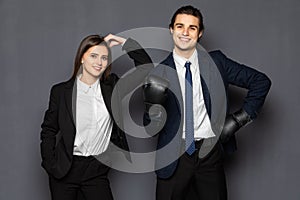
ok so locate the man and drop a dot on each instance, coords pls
(189, 112)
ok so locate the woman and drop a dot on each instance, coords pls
(78, 123)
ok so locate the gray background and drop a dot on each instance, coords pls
(39, 39)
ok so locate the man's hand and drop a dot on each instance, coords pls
(233, 123)
(155, 91)
(113, 40)
(155, 95)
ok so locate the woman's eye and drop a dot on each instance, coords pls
(104, 58)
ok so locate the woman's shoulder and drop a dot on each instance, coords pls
(63, 84)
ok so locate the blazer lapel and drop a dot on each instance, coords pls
(106, 90)
(70, 99)
(172, 76)
(204, 69)
(212, 88)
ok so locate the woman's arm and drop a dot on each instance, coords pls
(50, 128)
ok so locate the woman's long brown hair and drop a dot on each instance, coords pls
(86, 43)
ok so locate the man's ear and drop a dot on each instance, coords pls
(200, 34)
(171, 30)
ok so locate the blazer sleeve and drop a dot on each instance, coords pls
(143, 64)
(136, 52)
(257, 83)
(125, 85)
(50, 128)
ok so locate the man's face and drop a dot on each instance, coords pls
(185, 33)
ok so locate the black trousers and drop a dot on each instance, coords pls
(87, 176)
(205, 176)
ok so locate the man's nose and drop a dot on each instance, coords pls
(185, 31)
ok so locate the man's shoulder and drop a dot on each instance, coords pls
(169, 60)
(216, 53)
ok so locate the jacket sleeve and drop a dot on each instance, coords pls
(50, 128)
(143, 65)
(136, 52)
(128, 83)
(257, 83)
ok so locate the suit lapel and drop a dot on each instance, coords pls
(172, 76)
(212, 88)
(106, 90)
(204, 70)
(70, 99)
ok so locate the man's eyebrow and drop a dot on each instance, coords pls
(194, 26)
(178, 24)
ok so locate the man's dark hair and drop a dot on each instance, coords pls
(189, 10)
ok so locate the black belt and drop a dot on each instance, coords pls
(83, 158)
(198, 144)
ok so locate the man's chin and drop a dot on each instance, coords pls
(185, 48)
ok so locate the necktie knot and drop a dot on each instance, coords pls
(188, 73)
(187, 65)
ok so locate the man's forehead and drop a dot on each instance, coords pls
(186, 20)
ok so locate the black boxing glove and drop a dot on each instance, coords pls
(155, 94)
(233, 123)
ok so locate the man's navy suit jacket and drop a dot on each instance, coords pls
(216, 72)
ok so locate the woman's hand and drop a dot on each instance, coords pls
(113, 40)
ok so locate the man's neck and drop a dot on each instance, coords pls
(184, 53)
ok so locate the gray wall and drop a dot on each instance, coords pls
(38, 42)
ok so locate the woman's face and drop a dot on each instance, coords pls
(94, 62)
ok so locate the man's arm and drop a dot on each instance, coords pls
(258, 86)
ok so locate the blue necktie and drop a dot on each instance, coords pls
(189, 118)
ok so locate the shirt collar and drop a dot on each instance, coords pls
(85, 87)
(181, 60)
